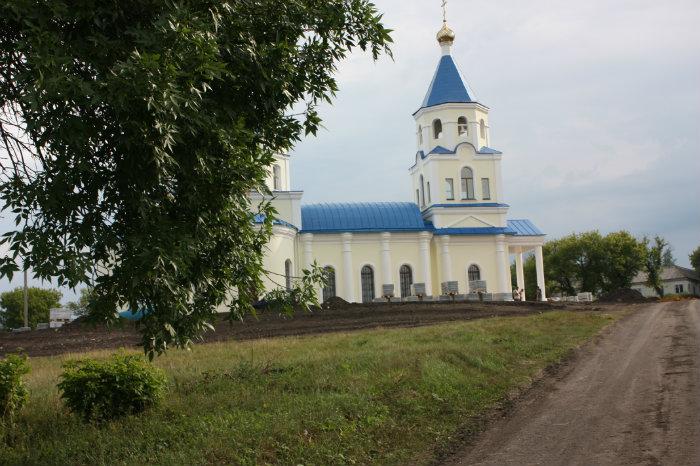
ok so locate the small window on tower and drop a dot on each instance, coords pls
(449, 189)
(467, 184)
(420, 134)
(482, 128)
(462, 126)
(485, 189)
(437, 129)
(428, 189)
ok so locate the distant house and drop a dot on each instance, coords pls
(675, 280)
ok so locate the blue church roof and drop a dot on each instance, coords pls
(447, 85)
(361, 217)
(524, 228)
(260, 218)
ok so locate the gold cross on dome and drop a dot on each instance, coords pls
(444, 11)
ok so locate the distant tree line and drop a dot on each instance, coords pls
(592, 262)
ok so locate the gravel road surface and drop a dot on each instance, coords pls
(630, 397)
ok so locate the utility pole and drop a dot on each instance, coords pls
(26, 300)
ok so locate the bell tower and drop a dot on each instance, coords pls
(455, 167)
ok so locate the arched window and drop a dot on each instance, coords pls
(437, 129)
(406, 280)
(422, 192)
(482, 128)
(462, 126)
(288, 274)
(276, 178)
(329, 287)
(367, 280)
(474, 273)
(467, 184)
(420, 134)
(427, 188)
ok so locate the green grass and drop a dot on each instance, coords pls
(373, 397)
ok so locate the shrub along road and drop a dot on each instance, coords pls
(630, 397)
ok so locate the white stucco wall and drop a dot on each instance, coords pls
(689, 287)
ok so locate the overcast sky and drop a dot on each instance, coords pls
(596, 106)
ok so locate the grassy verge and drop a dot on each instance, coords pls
(379, 397)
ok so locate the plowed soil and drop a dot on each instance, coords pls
(76, 337)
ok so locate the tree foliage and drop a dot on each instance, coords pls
(695, 259)
(80, 307)
(654, 263)
(134, 132)
(40, 302)
(592, 262)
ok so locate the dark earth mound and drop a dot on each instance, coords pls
(80, 337)
(625, 295)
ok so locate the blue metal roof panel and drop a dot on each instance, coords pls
(358, 217)
(476, 204)
(474, 231)
(447, 85)
(260, 218)
(441, 151)
(524, 228)
(489, 151)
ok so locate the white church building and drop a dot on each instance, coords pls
(451, 237)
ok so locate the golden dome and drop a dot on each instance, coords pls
(445, 35)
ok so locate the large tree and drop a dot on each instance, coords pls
(133, 132)
(40, 302)
(654, 263)
(695, 259)
(623, 258)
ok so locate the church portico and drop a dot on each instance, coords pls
(455, 237)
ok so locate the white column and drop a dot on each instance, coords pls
(474, 134)
(348, 273)
(497, 190)
(501, 264)
(539, 264)
(386, 259)
(446, 259)
(519, 273)
(307, 241)
(425, 262)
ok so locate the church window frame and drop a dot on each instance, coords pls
(449, 189)
(467, 184)
(437, 128)
(329, 287)
(473, 273)
(367, 283)
(405, 280)
(486, 189)
(462, 126)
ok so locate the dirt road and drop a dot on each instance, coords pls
(632, 397)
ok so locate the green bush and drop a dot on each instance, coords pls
(13, 393)
(104, 390)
